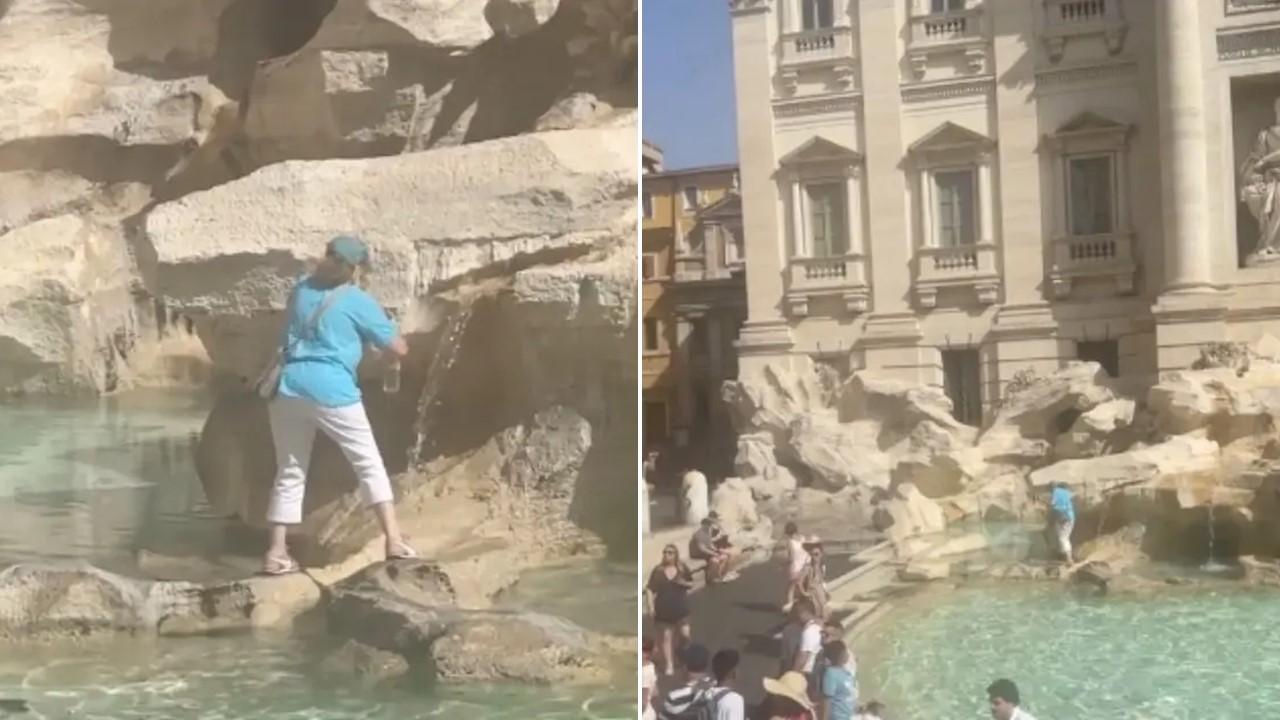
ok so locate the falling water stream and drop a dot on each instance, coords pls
(446, 354)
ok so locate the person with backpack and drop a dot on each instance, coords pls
(312, 386)
(696, 699)
(730, 705)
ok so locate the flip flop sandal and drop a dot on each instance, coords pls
(280, 566)
(402, 551)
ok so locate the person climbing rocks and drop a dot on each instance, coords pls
(329, 320)
(1005, 701)
(1062, 519)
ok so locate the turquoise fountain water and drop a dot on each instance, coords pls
(105, 480)
(102, 479)
(1183, 655)
(263, 678)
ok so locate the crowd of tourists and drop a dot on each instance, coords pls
(817, 672)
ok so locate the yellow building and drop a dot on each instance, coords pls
(694, 302)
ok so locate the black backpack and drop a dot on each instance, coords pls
(697, 702)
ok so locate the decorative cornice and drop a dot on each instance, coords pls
(1250, 42)
(817, 106)
(749, 7)
(1237, 7)
(922, 92)
(1049, 77)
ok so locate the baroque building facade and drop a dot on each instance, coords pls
(693, 298)
(950, 192)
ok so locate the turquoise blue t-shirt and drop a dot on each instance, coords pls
(322, 368)
(840, 690)
(1061, 501)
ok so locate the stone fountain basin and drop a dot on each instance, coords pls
(407, 610)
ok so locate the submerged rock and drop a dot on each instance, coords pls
(51, 602)
(368, 666)
(407, 607)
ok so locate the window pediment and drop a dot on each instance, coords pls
(950, 143)
(1089, 132)
(728, 207)
(820, 151)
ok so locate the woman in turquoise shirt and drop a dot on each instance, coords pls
(330, 320)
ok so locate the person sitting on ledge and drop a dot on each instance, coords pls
(1005, 700)
(710, 544)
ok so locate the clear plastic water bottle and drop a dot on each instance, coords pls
(391, 378)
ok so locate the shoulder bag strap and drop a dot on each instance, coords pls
(313, 322)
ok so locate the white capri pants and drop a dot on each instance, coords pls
(293, 430)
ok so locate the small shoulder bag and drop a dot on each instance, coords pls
(267, 386)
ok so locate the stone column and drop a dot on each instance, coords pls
(766, 336)
(712, 239)
(1187, 258)
(928, 237)
(853, 206)
(986, 203)
(684, 379)
(712, 326)
(799, 243)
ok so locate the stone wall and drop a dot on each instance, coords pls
(164, 187)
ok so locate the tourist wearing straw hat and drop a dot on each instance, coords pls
(788, 697)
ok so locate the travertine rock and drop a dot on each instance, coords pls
(1161, 465)
(838, 454)
(1096, 431)
(1045, 409)
(66, 313)
(60, 602)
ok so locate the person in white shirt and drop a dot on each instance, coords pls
(730, 704)
(797, 563)
(1005, 699)
(648, 681)
(802, 639)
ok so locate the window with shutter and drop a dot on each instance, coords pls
(828, 232)
(955, 208)
(1090, 195)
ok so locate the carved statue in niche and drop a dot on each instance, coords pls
(1260, 192)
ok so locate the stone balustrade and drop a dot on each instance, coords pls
(959, 266)
(1108, 255)
(842, 275)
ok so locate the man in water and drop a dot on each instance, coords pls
(1062, 518)
(1004, 698)
(329, 321)
(710, 544)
